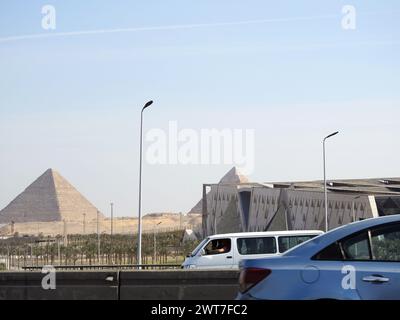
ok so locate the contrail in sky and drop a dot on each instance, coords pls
(162, 28)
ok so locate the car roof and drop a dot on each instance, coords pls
(266, 233)
(315, 245)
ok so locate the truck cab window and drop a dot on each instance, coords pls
(218, 246)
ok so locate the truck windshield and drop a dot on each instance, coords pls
(198, 248)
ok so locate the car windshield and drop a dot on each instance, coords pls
(198, 248)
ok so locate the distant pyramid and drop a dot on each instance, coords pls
(233, 176)
(49, 198)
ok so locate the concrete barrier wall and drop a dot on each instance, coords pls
(69, 286)
(179, 285)
(124, 285)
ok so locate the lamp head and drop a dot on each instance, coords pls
(148, 104)
(331, 135)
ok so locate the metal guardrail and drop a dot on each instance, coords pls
(109, 267)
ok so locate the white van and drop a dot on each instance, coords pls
(225, 251)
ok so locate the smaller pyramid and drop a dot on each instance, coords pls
(233, 176)
(49, 198)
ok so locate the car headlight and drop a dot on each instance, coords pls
(190, 266)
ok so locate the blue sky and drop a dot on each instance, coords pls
(292, 74)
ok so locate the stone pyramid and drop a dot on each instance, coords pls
(49, 198)
(233, 176)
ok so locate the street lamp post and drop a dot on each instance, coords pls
(352, 207)
(325, 188)
(84, 223)
(59, 252)
(98, 237)
(65, 233)
(111, 232)
(31, 254)
(155, 242)
(112, 219)
(139, 249)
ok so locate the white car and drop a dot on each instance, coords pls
(225, 251)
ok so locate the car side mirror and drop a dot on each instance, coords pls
(203, 252)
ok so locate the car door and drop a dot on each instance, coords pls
(375, 256)
(213, 257)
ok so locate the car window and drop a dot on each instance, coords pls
(330, 253)
(386, 243)
(288, 242)
(384, 246)
(357, 247)
(350, 248)
(261, 245)
(218, 246)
